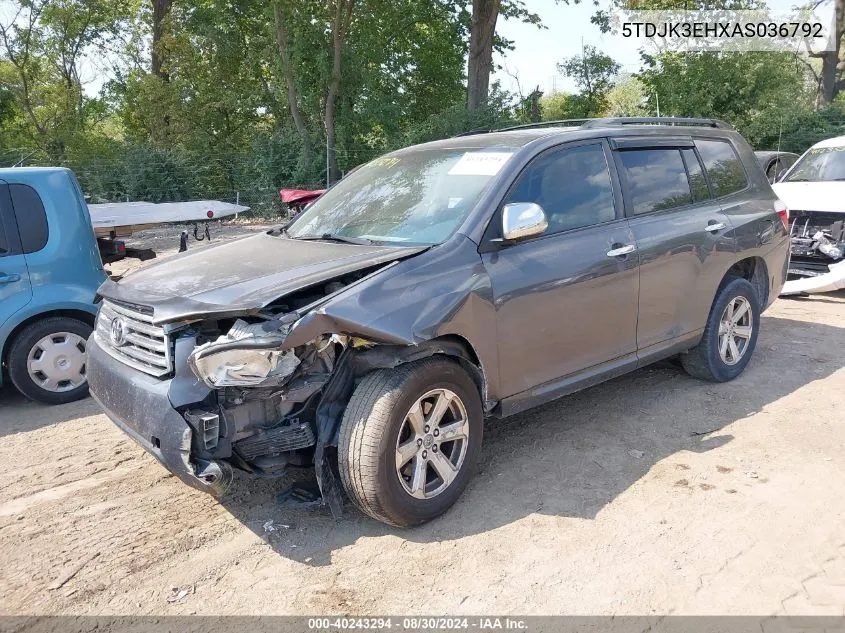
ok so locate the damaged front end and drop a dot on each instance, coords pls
(269, 396)
(817, 262)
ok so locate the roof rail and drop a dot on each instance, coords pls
(612, 122)
(483, 130)
(652, 120)
(558, 123)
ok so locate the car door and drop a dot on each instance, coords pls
(15, 289)
(565, 300)
(684, 241)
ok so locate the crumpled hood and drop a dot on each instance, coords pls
(242, 275)
(812, 196)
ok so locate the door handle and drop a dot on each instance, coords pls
(716, 226)
(7, 279)
(622, 250)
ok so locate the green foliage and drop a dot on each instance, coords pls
(749, 90)
(593, 73)
(559, 106)
(626, 98)
(217, 123)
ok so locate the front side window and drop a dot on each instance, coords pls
(820, 164)
(723, 166)
(410, 198)
(572, 185)
(656, 178)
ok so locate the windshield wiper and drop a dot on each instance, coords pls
(333, 237)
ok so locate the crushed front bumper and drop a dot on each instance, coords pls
(140, 405)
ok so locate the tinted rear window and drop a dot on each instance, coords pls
(4, 243)
(656, 178)
(32, 219)
(723, 166)
(697, 181)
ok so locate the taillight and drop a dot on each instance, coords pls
(783, 213)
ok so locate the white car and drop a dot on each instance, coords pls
(814, 191)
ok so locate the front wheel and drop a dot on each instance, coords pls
(47, 360)
(409, 440)
(729, 336)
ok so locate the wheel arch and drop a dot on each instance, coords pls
(80, 315)
(453, 346)
(753, 270)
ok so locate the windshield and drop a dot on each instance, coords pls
(417, 197)
(819, 165)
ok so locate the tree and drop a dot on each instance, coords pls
(161, 10)
(593, 73)
(343, 10)
(290, 84)
(483, 41)
(830, 79)
(485, 13)
(752, 91)
(42, 45)
(559, 106)
(626, 98)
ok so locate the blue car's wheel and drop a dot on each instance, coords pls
(47, 360)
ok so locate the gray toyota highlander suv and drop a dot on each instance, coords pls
(434, 287)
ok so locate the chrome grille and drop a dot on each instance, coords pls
(127, 333)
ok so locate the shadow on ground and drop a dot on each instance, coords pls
(31, 416)
(576, 455)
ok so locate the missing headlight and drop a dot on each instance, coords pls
(246, 356)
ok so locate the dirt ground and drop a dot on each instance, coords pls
(653, 493)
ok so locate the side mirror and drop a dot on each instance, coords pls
(523, 219)
(781, 174)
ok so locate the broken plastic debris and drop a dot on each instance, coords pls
(178, 596)
(270, 526)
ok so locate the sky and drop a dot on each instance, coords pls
(536, 52)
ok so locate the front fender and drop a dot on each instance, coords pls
(443, 292)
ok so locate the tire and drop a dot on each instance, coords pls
(60, 381)
(377, 420)
(706, 360)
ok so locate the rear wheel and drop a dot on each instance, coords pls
(729, 336)
(47, 360)
(409, 440)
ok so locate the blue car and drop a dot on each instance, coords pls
(50, 270)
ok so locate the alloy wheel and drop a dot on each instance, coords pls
(432, 443)
(735, 329)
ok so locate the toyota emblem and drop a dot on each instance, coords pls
(118, 332)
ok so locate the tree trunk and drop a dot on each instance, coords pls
(293, 96)
(480, 63)
(340, 29)
(830, 78)
(161, 8)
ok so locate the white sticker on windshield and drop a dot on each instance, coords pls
(480, 164)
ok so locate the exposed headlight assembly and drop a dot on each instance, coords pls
(247, 356)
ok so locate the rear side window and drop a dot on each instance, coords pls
(572, 185)
(697, 181)
(4, 220)
(32, 219)
(723, 166)
(656, 179)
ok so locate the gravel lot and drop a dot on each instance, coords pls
(653, 493)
